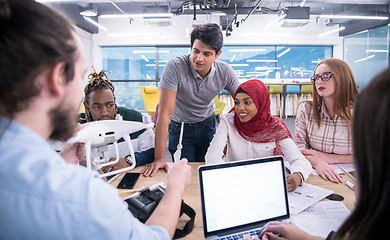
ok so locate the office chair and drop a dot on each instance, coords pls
(151, 96)
(219, 107)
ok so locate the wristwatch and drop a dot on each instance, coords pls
(302, 179)
(128, 160)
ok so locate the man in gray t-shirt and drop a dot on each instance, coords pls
(188, 86)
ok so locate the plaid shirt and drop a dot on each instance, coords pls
(333, 135)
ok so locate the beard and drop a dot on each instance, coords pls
(63, 122)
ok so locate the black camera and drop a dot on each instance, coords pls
(143, 203)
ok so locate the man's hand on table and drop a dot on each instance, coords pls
(151, 169)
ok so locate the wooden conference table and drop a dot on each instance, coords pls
(192, 193)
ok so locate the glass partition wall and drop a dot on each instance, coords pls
(367, 53)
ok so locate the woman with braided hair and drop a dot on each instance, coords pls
(99, 103)
(97, 81)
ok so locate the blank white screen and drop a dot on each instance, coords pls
(243, 194)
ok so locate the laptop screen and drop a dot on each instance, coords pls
(241, 193)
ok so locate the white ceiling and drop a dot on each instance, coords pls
(230, 7)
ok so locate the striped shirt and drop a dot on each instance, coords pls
(333, 135)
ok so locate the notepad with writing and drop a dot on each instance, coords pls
(305, 196)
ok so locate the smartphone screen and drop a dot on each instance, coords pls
(128, 181)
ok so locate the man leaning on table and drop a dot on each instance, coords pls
(188, 86)
(41, 196)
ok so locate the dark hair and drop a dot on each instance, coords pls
(210, 34)
(240, 90)
(371, 141)
(96, 81)
(33, 38)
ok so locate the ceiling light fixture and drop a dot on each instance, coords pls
(354, 17)
(95, 23)
(255, 72)
(331, 31)
(218, 13)
(364, 59)
(152, 15)
(267, 34)
(260, 68)
(145, 58)
(49, 1)
(154, 65)
(377, 51)
(234, 57)
(150, 51)
(140, 34)
(284, 52)
(89, 13)
(258, 60)
(239, 65)
(248, 50)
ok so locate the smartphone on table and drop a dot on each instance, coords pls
(128, 181)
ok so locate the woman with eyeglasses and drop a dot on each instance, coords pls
(323, 124)
(371, 140)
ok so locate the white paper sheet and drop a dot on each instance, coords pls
(305, 196)
(321, 218)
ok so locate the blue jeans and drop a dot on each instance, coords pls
(196, 138)
(144, 157)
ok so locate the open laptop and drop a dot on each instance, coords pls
(240, 197)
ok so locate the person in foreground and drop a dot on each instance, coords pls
(100, 104)
(249, 131)
(42, 196)
(371, 141)
(323, 125)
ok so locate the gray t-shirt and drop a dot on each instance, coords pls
(194, 95)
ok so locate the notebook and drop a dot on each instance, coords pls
(242, 196)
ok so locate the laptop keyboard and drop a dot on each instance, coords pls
(239, 235)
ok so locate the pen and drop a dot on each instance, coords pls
(349, 184)
(345, 171)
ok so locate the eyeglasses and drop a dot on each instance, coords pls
(326, 76)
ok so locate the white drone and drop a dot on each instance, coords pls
(98, 135)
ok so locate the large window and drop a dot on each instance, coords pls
(274, 62)
(167, 53)
(251, 62)
(300, 62)
(133, 67)
(130, 63)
